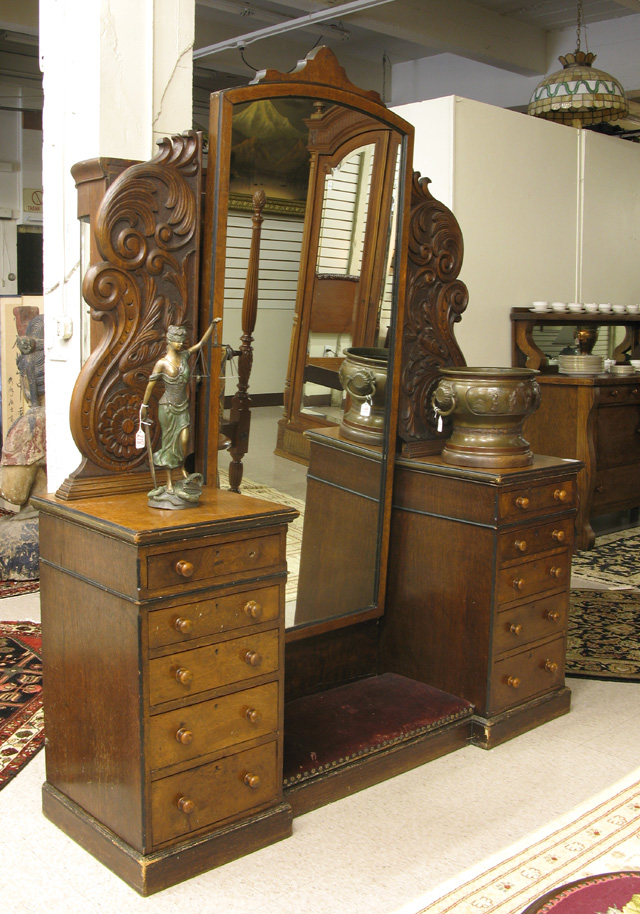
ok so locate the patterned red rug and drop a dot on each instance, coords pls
(21, 715)
(16, 588)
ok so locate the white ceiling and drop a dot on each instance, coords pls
(507, 33)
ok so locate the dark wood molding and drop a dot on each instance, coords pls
(435, 301)
(147, 232)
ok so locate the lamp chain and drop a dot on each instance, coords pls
(580, 20)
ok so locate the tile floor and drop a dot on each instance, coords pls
(372, 853)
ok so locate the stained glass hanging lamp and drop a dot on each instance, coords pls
(579, 94)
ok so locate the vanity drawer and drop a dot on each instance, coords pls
(220, 790)
(187, 733)
(180, 624)
(522, 581)
(526, 541)
(531, 621)
(186, 673)
(616, 486)
(617, 437)
(612, 396)
(200, 564)
(531, 500)
(522, 674)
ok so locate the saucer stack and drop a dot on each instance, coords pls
(582, 364)
(623, 369)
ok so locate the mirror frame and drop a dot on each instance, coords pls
(320, 77)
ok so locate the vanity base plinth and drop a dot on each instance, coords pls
(358, 734)
(150, 873)
(365, 772)
(490, 732)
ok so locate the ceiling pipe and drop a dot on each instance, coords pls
(289, 25)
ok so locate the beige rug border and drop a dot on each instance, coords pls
(509, 880)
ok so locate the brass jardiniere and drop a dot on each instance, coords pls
(488, 407)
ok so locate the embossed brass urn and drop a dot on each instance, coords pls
(363, 375)
(487, 407)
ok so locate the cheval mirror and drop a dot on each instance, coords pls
(306, 215)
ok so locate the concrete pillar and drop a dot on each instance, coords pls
(117, 77)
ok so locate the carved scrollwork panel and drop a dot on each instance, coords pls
(435, 301)
(148, 232)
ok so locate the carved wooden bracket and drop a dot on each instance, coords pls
(435, 300)
(148, 235)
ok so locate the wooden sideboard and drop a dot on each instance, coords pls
(525, 353)
(164, 680)
(595, 420)
(477, 597)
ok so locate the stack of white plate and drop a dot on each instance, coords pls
(623, 369)
(580, 364)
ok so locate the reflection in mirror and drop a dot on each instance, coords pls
(330, 174)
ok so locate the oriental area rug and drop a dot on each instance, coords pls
(614, 560)
(603, 634)
(21, 715)
(598, 837)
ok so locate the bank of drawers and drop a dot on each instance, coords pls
(213, 689)
(531, 594)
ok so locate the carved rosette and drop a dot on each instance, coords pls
(435, 300)
(147, 232)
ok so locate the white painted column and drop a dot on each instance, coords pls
(117, 77)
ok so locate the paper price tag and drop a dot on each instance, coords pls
(365, 409)
(139, 439)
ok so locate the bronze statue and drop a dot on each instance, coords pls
(175, 420)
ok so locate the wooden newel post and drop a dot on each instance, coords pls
(241, 402)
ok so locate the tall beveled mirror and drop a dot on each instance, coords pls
(305, 238)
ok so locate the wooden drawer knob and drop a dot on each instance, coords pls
(553, 616)
(184, 736)
(253, 609)
(613, 393)
(521, 545)
(551, 666)
(515, 629)
(185, 569)
(184, 677)
(559, 536)
(513, 682)
(518, 583)
(186, 805)
(522, 502)
(555, 572)
(253, 658)
(252, 781)
(560, 495)
(183, 626)
(253, 715)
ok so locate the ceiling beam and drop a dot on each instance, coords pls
(454, 27)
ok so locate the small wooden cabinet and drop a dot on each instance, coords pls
(595, 420)
(477, 596)
(164, 680)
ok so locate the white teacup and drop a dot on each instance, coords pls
(619, 309)
(574, 306)
(558, 306)
(591, 307)
(604, 308)
(540, 305)
(633, 309)
(608, 364)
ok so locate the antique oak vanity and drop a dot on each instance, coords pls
(186, 723)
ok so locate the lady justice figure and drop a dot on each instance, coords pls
(174, 417)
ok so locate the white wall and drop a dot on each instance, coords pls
(512, 183)
(123, 81)
(610, 257)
